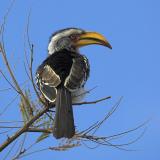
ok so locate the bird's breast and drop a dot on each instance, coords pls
(61, 63)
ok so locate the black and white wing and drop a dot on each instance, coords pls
(47, 81)
(78, 74)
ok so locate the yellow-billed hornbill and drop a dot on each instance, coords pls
(63, 74)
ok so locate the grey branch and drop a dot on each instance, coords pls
(23, 129)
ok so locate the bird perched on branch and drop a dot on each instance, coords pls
(62, 75)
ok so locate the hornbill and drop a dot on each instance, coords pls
(62, 75)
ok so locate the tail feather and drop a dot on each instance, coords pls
(64, 121)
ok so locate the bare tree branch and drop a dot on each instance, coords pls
(29, 123)
(22, 130)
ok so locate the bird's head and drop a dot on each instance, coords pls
(73, 38)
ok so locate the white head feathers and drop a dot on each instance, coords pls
(52, 47)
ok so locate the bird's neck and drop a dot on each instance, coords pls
(71, 51)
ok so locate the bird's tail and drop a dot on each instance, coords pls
(63, 121)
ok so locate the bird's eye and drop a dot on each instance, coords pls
(73, 36)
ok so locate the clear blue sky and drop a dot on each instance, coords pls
(130, 70)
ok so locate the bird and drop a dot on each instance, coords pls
(61, 77)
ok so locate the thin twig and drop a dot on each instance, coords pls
(6, 131)
(37, 151)
(31, 129)
(85, 92)
(96, 127)
(4, 21)
(30, 66)
(6, 107)
(9, 88)
(11, 73)
(113, 109)
(12, 121)
(20, 149)
(9, 151)
(129, 131)
(12, 86)
(92, 102)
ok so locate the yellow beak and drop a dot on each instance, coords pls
(89, 38)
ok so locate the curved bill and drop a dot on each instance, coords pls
(89, 38)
